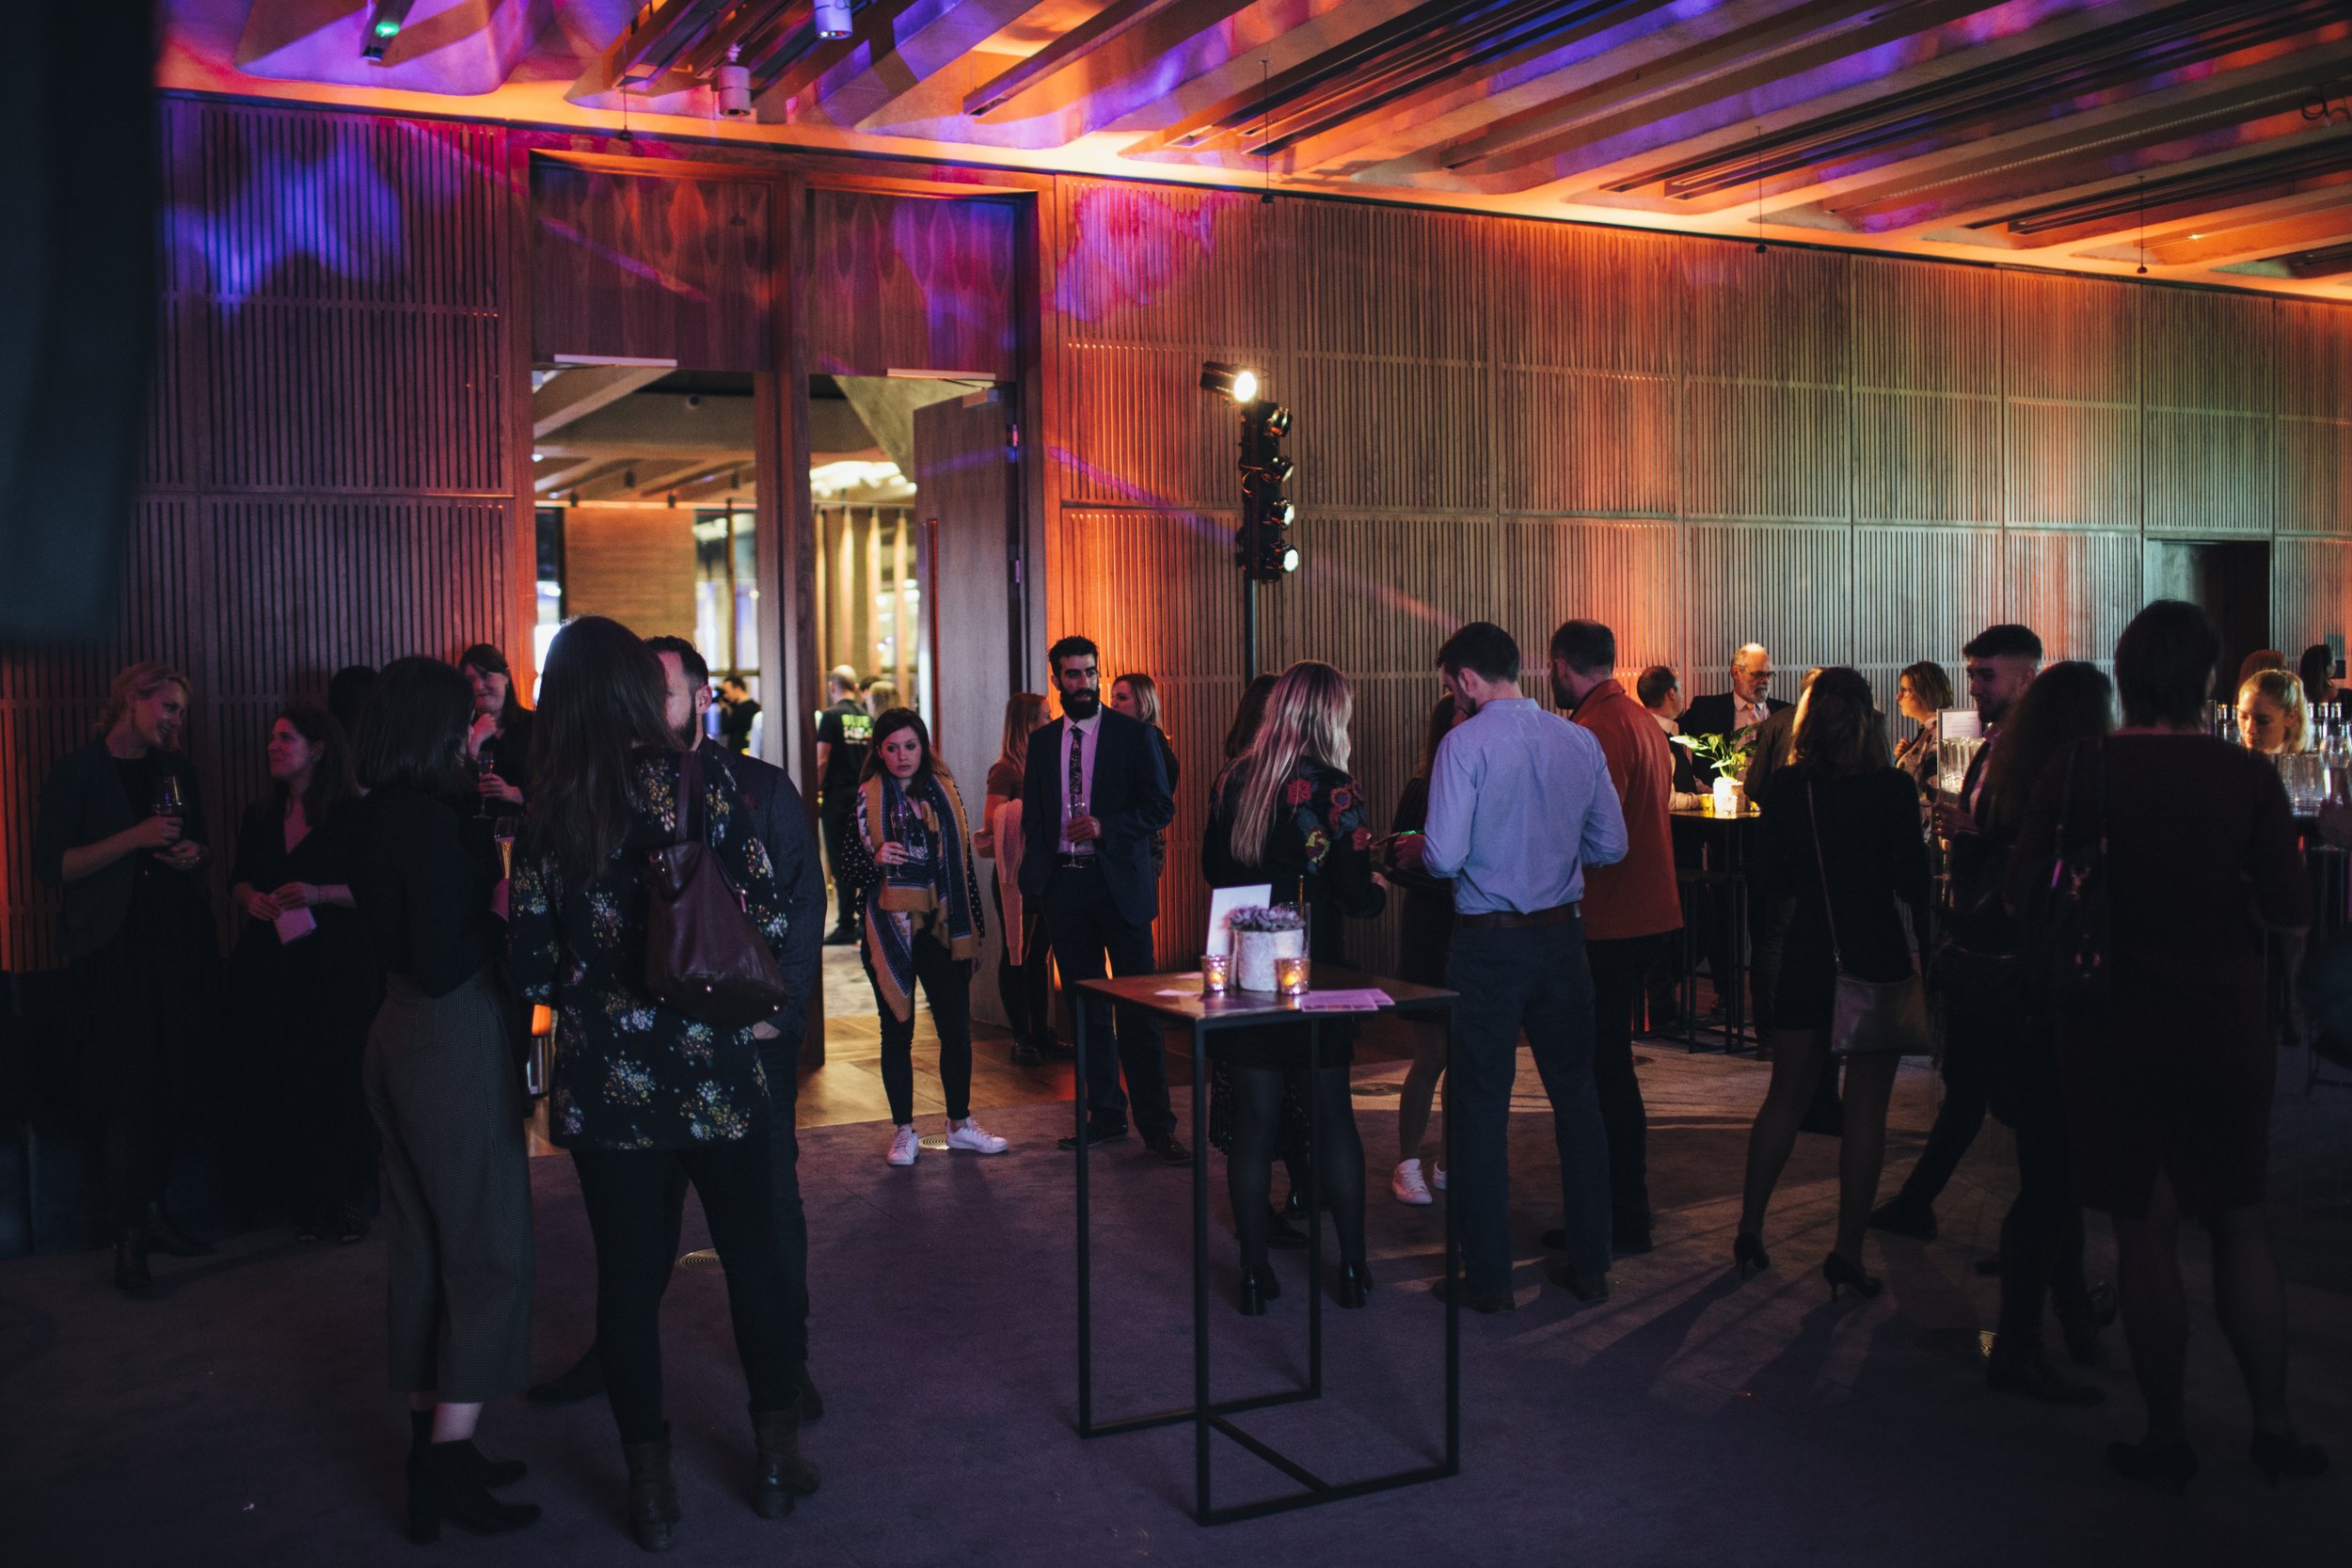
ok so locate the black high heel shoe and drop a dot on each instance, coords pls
(1748, 1255)
(1356, 1280)
(1841, 1271)
(2275, 1455)
(1258, 1287)
(444, 1486)
(2173, 1463)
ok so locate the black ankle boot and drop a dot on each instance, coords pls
(652, 1492)
(442, 1486)
(486, 1471)
(1355, 1282)
(783, 1477)
(131, 1275)
(1258, 1287)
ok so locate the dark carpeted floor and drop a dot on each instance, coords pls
(237, 1418)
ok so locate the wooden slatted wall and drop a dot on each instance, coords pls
(326, 477)
(1855, 459)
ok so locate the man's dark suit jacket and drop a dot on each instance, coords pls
(780, 822)
(1130, 797)
(1711, 714)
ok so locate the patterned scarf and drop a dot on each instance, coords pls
(935, 896)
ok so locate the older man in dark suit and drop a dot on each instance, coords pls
(1095, 792)
(1749, 703)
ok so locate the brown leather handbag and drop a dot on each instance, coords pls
(704, 956)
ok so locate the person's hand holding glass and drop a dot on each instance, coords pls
(1081, 828)
(170, 805)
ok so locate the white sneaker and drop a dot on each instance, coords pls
(970, 1136)
(903, 1146)
(1407, 1185)
(1437, 1177)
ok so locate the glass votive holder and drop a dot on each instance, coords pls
(1217, 972)
(1290, 976)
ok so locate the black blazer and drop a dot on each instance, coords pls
(1711, 714)
(780, 822)
(81, 803)
(1131, 798)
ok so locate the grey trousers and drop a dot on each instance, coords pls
(442, 1086)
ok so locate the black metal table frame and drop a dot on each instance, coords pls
(1205, 1415)
(1731, 877)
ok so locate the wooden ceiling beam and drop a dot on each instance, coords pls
(572, 394)
(1071, 46)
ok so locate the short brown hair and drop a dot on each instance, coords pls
(1929, 682)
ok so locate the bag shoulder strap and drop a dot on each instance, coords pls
(690, 797)
(1821, 866)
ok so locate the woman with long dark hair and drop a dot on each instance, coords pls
(640, 1086)
(1025, 961)
(1424, 936)
(305, 976)
(2041, 1238)
(501, 735)
(2168, 1082)
(1839, 843)
(447, 1096)
(1288, 814)
(910, 860)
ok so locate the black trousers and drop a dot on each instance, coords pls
(1026, 988)
(780, 1059)
(834, 825)
(2041, 1236)
(1620, 973)
(1967, 1050)
(1087, 926)
(142, 1019)
(947, 983)
(1535, 978)
(627, 1196)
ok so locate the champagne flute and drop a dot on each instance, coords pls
(502, 830)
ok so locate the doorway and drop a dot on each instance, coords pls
(2229, 581)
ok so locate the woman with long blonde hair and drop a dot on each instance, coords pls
(2272, 716)
(1287, 813)
(1024, 962)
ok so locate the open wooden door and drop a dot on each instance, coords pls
(970, 571)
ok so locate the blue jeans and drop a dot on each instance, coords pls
(1535, 978)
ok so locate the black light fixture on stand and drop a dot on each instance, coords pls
(1262, 546)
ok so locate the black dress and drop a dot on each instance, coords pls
(1875, 860)
(1318, 852)
(1426, 931)
(302, 1011)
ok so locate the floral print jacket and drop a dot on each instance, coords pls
(630, 1073)
(1319, 845)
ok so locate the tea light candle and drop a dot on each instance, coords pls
(1290, 976)
(1216, 970)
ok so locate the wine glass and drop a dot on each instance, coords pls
(170, 798)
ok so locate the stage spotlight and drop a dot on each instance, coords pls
(1277, 420)
(832, 19)
(1236, 381)
(385, 20)
(733, 81)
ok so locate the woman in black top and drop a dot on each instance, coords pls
(2041, 1238)
(1867, 858)
(447, 1096)
(1424, 935)
(642, 1089)
(305, 975)
(138, 941)
(1024, 960)
(1135, 695)
(1288, 814)
(500, 737)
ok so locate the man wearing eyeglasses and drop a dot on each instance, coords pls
(1748, 702)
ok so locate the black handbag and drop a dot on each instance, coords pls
(1980, 968)
(2074, 931)
(703, 957)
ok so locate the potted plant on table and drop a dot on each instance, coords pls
(1728, 755)
(1260, 936)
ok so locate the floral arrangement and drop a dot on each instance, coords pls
(1728, 754)
(1280, 917)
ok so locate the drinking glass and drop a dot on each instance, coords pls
(2305, 776)
(502, 830)
(170, 800)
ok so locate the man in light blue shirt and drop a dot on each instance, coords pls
(1519, 804)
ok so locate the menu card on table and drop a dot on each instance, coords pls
(1367, 1001)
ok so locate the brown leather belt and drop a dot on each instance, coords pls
(1559, 915)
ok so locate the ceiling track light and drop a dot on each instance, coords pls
(833, 19)
(385, 20)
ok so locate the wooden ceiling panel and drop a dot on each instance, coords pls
(2018, 130)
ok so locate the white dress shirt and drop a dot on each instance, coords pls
(1745, 713)
(1080, 733)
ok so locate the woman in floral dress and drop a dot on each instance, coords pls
(1288, 814)
(643, 1091)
